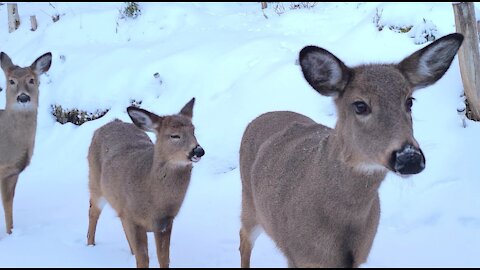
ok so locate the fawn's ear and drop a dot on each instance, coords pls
(187, 110)
(5, 62)
(42, 64)
(324, 71)
(426, 66)
(144, 119)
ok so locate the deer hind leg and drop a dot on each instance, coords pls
(8, 184)
(163, 231)
(96, 199)
(248, 232)
(93, 215)
(137, 238)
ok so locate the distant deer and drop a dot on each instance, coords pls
(313, 189)
(18, 124)
(144, 182)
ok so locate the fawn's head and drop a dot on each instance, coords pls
(374, 102)
(175, 133)
(23, 82)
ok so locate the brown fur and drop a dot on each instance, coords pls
(144, 182)
(18, 126)
(313, 189)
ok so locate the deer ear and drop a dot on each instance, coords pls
(42, 64)
(5, 62)
(426, 66)
(187, 110)
(324, 71)
(144, 119)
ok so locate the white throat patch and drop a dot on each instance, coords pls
(27, 106)
(370, 168)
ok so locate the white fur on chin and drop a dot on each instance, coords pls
(27, 106)
(370, 168)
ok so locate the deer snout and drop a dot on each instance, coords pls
(23, 98)
(408, 160)
(197, 153)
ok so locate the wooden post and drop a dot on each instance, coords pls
(33, 22)
(264, 6)
(13, 17)
(469, 55)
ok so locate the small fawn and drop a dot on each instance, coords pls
(144, 182)
(18, 125)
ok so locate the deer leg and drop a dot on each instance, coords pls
(128, 239)
(364, 243)
(138, 242)
(8, 185)
(247, 235)
(246, 247)
(93, 215)
(163, 231)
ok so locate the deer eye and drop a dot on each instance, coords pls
(175, 137)
(32, 81)
(409, 104)
(11, 82)
(361, 108)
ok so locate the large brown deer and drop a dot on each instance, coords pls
(18, 124)
(313, 189)
(144, 182)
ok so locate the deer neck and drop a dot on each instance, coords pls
(165, 171)
(16, 111)
(17, 135)
(355, 174)
(19, 120)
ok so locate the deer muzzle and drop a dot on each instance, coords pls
(408, 160)
(23, 98)
(196, 153)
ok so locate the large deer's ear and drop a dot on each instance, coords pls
(144, 119)
(187, 110)
(5, 62)
(426, 66)
(324, 71)
(42, 64)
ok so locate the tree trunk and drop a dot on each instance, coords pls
(469, 56)
(33, 21)
(13, 17)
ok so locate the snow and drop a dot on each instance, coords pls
(237, 64)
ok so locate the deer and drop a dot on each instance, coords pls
(144, 182)
(313, 189)
(18, 125)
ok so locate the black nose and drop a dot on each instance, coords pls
(198, 151)
(408, 160)
(23, 98)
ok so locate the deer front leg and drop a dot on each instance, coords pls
(249, 223)
(128, 240)
(7, 186)
(137, 238)
(163, 231)
(245, 248)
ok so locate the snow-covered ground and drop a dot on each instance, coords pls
(238, 64)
